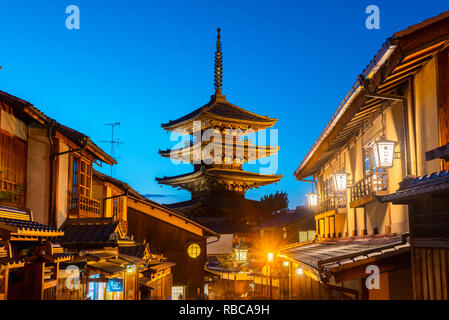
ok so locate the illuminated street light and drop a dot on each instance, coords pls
(270, 257)
(383, 153)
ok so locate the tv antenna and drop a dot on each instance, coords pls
(112, 141)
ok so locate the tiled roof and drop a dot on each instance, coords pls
(136, 251)
(222, 108)
(410, 187)
(21, 219)
(30, 225)
(333, 253)
(88, 232)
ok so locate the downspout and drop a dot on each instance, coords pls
(413, 116)
(53, 155)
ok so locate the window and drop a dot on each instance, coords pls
(241, 255)
(194, 250)
(117, 206)
(306, 235)
(81, 204)
(177, 293)
(13, 157)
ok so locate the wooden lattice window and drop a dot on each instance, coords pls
(81, 203)
(117, 206)
(13, 161)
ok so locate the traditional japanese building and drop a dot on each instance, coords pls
(218, 151)
(376, 141)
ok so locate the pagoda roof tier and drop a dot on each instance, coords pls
(243, 149)
(219, 113)
(215, 178)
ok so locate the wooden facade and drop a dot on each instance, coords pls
(173, 241)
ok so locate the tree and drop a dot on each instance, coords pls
(273, 204)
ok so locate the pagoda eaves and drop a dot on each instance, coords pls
(215, 178)
(242, 151)
(220, 114)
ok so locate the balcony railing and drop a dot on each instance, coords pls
(365, 190)
(84, 207)
(336, 202)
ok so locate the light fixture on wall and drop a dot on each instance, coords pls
(340, 179)
(312, 199)
(383, 153)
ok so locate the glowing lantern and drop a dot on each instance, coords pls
(383, 153)
(285, 263)
(299, 271)
(270, 257)
(312, 199)
(340, 179)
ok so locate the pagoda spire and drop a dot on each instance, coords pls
(218, 72)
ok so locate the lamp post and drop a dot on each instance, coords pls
(270, 261)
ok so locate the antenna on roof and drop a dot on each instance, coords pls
(112, 141)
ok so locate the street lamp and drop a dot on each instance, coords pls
(340, 180)
(383, 153)
(270, 261)
(312, 199)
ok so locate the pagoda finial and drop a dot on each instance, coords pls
(218, 72)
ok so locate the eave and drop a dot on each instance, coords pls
(243, 147)
(220, 174)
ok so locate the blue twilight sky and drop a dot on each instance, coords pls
(142, 63)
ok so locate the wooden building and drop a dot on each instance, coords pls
(29, 258)
(376, 137)
(182, 240)
(427, 198)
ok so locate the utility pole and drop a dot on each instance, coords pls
(112, 141)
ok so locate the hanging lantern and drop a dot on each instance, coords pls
(312, 199)
(340, 181)
(383, 153)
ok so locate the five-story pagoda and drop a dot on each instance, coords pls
(218, 151)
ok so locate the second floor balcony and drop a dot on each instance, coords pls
(374, 183)
(84, 207)
(335, 203)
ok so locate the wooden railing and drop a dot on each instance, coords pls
(364, 190)
(333, 203)
(84, 207)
